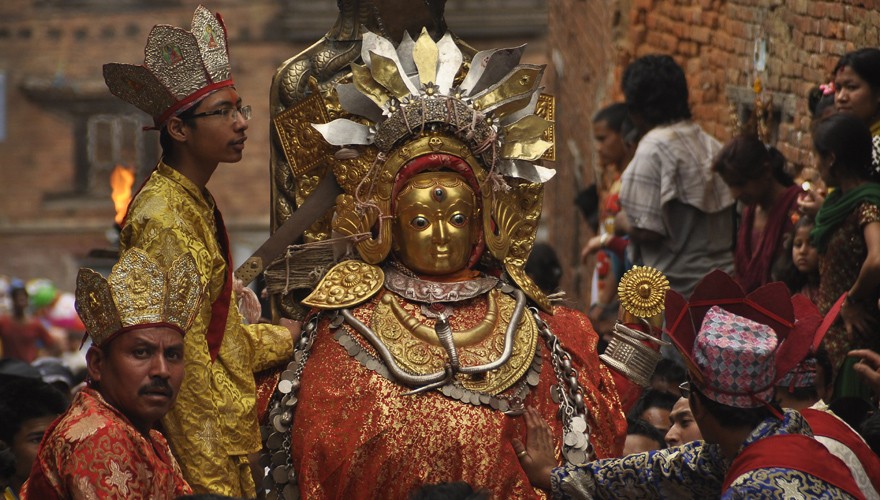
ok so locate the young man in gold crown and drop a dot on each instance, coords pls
(105, 445)
(186, 86)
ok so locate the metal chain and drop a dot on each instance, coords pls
(576, 445)
(281, 482)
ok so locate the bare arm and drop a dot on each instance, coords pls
(857, 309)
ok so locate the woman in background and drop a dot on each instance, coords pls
(756, 176)
(847, 235)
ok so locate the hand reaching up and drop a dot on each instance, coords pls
(537, 457)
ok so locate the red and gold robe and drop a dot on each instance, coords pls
(93, 451)
(356, 435)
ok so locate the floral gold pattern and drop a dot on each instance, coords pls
(303, 146)
(347, 284)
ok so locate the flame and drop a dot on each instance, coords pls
(121, 180)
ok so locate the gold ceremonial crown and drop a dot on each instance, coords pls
(179, 67)
(139, 293)
(422, 98)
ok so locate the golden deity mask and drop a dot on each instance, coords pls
(422, 99)
(435, 225)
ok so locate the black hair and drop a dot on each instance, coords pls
(849, 139)
(458, 490)
(7, 463)
(852, 410)
(864, 62)
(652, 398)
(615, 115)
(670, 371)
(823, 360)
(587, 201)
(656, 89)
(23, 399)
(165, 140)
(543, 267)
(870, 432)
(818, 101)
(784, 269)
(639, 427)
(800, 393)
(730, 416)
(745, 158)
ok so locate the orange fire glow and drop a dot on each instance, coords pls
(121, 180)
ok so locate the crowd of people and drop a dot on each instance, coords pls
(435, 360)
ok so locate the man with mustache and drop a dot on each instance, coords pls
(186, 85)
(106, 445)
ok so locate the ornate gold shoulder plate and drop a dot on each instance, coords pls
(546, 109)
(303, 146)
(348, 284)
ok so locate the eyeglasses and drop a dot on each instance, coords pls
(685, 388)
(228, 114)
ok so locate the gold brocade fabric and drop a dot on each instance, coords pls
(93, 451)
(356, 435)
(214, 416)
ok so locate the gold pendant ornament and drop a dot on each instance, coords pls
(418, 351)
(347, 284)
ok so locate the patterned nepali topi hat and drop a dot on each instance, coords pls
(801, 376)
(735, 355)
(736, 345)
(180, 68)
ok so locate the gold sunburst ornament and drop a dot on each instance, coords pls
(642, 291)
(634, 349)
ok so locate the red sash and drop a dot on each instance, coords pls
(220, 307)
(797, 452)
(827, 425)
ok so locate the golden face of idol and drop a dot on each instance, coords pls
(435, 225)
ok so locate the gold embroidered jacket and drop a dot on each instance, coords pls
(214, 415)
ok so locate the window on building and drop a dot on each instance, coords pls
(112, 140)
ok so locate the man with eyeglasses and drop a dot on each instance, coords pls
(186, 86)
(734, 346)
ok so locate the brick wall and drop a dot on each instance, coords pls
(714, 41)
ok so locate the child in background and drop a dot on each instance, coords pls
(801, 270)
